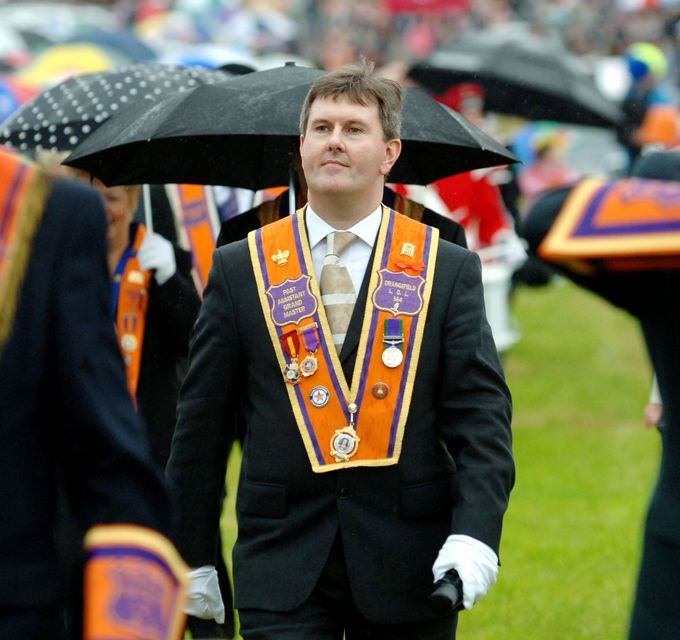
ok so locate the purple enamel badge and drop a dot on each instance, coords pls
(399, 293)
(292, 301)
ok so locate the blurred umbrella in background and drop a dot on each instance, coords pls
(13, 94)
(244, 132)
(522, 74)
(61, 61)
(61, 117)
(122, 42)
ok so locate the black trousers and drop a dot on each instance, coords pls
(330, 614)
(33, 623)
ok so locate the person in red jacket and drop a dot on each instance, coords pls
(472, 198)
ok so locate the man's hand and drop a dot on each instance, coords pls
(476, 563)
(204, 599)
(156, 254)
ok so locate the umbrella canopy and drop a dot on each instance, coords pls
(60, 117)
(243, 133)
(522, 74)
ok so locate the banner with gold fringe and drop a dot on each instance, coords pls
(135, 585)
(628, 224)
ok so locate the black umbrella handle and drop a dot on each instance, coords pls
(447, 596)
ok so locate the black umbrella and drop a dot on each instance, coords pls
(62, 116)
(523, 74)
(243, 133)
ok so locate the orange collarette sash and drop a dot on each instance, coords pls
(131, 304)
(197, 222)
(135, 585)
(376, 405)
(626, 224)
(23, 192)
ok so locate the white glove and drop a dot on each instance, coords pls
(156, 253)
(476, 563)
(204, 599)
(514, 252)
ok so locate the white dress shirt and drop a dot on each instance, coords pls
(357, 255)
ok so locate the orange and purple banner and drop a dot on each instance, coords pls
(135, 585)
(23, 192)
(626, 224)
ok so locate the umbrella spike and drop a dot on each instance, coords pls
(291, 189)
(148, 218)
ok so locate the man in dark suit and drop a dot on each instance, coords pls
(651, 297)
(352, 494)
(66, 413)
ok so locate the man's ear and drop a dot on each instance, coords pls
(392, 152)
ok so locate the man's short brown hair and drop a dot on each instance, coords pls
(359, 84)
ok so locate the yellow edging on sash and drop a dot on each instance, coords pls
(560, 244)
(27, 213)
(138, 536)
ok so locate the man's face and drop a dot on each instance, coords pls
(343, 149)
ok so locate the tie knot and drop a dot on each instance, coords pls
(338, 241)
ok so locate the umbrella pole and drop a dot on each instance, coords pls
(291, 191)
(146, 195)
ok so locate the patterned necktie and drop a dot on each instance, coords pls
(337, 291)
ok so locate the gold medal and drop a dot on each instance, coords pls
(344, 443)
(309, 365)
(292, 372)
(291, 345)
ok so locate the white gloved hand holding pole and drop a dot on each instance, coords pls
(204, 599)
(475, 562)
(156, 254)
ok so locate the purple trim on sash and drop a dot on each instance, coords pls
(260, 258)
(587, 226)
(302, 402)
(4, 220)
(133, 551)
(409, 351)
(267, 284)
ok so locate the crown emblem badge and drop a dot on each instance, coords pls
(281, 257)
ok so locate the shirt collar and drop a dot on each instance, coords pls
(366, 229)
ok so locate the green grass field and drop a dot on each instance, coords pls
(585, 467)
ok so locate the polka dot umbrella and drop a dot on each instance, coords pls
(62, 116)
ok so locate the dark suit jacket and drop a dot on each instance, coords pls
(652, 297)
(64, 405)
(238, 228)
(454, 475)
(173, 308)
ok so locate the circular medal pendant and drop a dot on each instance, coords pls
(128, 342)
(309, 366)
(319, 396)
(292, 373)
(344, 444)
(392, 357)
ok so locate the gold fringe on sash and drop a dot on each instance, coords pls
(14, 264)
